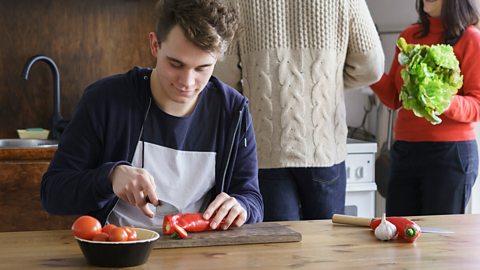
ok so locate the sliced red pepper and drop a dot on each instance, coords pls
(180, 231)
(406, 228)
(168, 221)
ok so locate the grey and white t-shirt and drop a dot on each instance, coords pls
(180, 154)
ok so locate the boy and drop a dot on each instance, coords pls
(172, 135)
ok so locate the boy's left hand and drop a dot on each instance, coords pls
(227, 210)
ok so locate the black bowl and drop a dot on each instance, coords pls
(119, 254)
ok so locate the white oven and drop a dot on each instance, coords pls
(361, 187)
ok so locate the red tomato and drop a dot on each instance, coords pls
(86, 227)
(132, 234)
(118, 235)
(107, 228)
(102, 237)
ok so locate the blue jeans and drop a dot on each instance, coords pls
(303, 193)
(431, 178)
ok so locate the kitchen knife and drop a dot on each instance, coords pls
(365, 222)
(147, 199)
(163, 208)
(434, 230)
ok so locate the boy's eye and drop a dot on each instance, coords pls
(176, 64)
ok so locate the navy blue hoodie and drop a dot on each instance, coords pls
(105, 130)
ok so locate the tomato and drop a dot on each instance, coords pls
(107, 228)
(132, 234)
(86, 227)
(118, 235)
(102, 237)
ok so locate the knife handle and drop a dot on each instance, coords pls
(147, 200)
(351, 220)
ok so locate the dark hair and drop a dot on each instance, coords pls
(209, 24)
(456, 16)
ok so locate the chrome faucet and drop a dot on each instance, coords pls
(57, 122)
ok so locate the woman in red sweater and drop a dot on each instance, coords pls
(434, 167)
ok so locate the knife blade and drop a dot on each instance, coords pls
(163, 208)
(365, 222)
(434, 230)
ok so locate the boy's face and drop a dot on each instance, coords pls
(183, 69)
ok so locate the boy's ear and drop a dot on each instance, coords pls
(154, 45)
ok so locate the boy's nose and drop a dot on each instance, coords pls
(187, 79)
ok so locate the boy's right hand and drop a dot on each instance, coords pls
(133, 184)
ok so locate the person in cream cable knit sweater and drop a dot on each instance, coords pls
(293, 60)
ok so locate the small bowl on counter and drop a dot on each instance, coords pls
(33, 133)
(119, 254)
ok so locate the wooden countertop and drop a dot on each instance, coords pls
(324, 246)
(27, 154)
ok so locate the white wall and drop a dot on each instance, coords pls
(393, 14)
(389, 16)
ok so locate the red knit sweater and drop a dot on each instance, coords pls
(458, 121)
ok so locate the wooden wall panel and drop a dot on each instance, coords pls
(87, 39)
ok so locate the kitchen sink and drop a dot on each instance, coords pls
(27, 143)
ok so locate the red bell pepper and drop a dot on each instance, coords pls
(190, 222)
(406, 228)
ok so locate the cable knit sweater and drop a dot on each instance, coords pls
(296, 57)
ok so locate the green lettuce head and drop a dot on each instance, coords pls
(430, 79)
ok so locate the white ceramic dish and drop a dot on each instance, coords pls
(33, 133)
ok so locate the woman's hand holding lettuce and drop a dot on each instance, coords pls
(430, 79)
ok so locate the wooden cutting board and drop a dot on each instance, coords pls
(247, 234)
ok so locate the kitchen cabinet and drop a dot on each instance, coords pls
(21, 173)
(360, 170)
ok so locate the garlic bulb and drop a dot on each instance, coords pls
(386, 230)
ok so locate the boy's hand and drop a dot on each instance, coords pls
(133, 184)
(227, 209)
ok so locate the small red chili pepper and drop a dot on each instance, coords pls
(406, 228)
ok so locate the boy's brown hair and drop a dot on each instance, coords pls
(209, 24)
